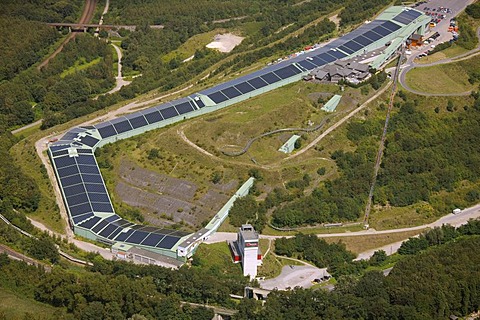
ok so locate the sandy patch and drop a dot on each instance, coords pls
(225, 42)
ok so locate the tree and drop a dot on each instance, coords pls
(378, 258)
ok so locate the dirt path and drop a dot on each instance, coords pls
(120, 82)
(27, 126)
(88, 11)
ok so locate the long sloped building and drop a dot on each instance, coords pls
(87, 201)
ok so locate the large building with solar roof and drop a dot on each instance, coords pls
(87, 201)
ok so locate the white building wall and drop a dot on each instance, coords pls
(250, 262)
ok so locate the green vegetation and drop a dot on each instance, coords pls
(356, 12)
(79, 65)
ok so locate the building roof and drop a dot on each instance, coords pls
(248, 232)
(332, 103)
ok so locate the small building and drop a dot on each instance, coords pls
(332, 104)
(245, 250)
(416, 40)
(289, 146)
(125, 252)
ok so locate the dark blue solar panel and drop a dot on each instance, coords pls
(381, 31)
(244, 87)
(317, 61)
(270, 78)
(99, 188)
(77, 199)
(372, 35)
(363, 41)
(337, 54)
(138, 122)
(403, 19)
(89, 141)
(124, 235)
(287, 72)
(98, 197)
(102, 207)
(114, 233)
(152, 239)
(90, 223)
(137, 237)
(184, 107)
(84, 151)
(93, 178)
(390, 26)
(76, 189)
(80, 209)
(354, 46)
(88, 169)
(108, 230)
(82, 217)
(123, 223)
(307, 64)
(167, 242)
(123, 126)
(67, 171)
(64, 161)
(100, 226)
(71, 180)
(60, 153)
(200, 103)
(327, 57)
(87, 160)
(56, 148)
(169, 113)
(345, 49)
(217, 97)
(257, 83)
(112, 218)
(231, 92)
(153, 117)
(106, 132)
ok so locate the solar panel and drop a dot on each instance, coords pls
(93, 178)
(108, 230)
(99, 188)
(178, 234)
(106, 132)
(244, 87)
(337, 54)
(317, 61)
(84, 151)
(138, 122)
(102, 207)
(307, 64)
(287, 72)
(372, 35)
(218, 97)
(77, 199)
(82, 217)
(167, 242)
(102, 224)
(87, 160)
(64, 161)
(381, 31)
(89, 141)
(90, 223)
(112, 218)
(363, 41)
(402, 19)
(200, 103)
(391, 26)
(152, 239)
(60, 153)
(257, 83)
(137, 237)
(123, 126)
(71, 180)
(114, 233)
(123, 223)
(327, 57)
(80, 209)
(184, 108)
(345, 49)
(76, 189)
(56, 148)
(88, 169)
(98, 197)
(169, 113)
(124, 235)
(270, 78)
(67, 171)
(354, 46)
(231, 92)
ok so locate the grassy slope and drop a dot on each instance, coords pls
(16, 307)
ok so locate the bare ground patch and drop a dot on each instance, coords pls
(165, 200)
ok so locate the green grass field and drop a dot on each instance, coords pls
(79, 65)
(13, 307)
(444, 78)
(453, 51)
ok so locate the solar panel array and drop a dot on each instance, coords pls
(83, 188)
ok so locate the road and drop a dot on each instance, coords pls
(27, 126)
(88, 11)
(456, 7)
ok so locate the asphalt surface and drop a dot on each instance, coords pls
(294, 276)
